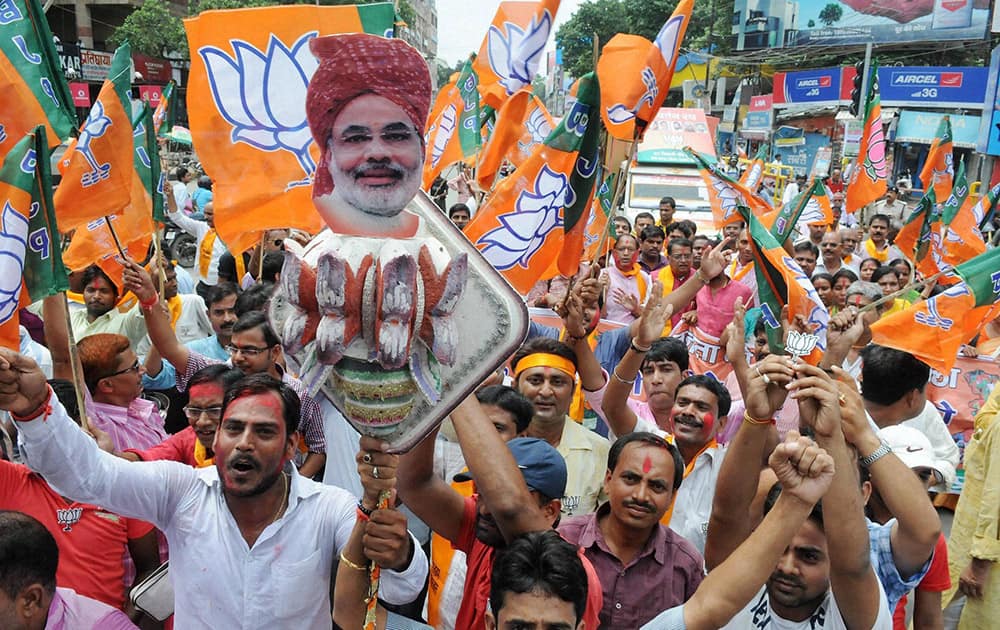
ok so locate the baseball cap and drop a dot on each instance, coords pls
(544, 469)
(911, 446)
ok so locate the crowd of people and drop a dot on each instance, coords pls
(596, 481)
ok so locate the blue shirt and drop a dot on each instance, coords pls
(895, 586)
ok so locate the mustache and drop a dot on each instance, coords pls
(243, 459)
(788, 579)
(397, 171)
(642, 505)
(687, 419)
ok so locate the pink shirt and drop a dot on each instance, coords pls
(716, 312)
(71, 611)
(630, 285)
(137, 426)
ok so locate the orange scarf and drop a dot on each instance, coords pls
(176, 306)
(735, 274)
(687, 471)
(201, 458)
(579, 405)
(205, 252)
(640, 280)
(873, 252)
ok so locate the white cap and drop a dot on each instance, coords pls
(911, 446)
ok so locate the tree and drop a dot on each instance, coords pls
(811, 24)
(607, 18)
(831, 14)
(151, 30)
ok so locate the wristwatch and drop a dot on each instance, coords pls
(876, 455)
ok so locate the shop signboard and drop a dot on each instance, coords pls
(820, 87)
(920, 126)
(988, 141)
(762, 25)
(153, 70)
(80, 93)
(95, 65)
(916, 86)
(760, 112)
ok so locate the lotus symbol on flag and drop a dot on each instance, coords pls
(263, 95)
(514, 54)
(96, 126)
(538, 126)
(443, 134)
(13, 243)
(875, 164)
(949, 169)
(800, 344)
(536, 213)
(729, 199)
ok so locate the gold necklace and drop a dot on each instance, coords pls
(284, 497)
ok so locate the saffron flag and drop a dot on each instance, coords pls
(934, 330)
(521, 124)
(97, 180)
(247, 106)
(166, 111)
(982, 212)
(751, 177)
(31, 267)
(868, 177)
(454, 134)
(94, 243)
(33, 87)
(597, 221)
(781, 282)
(513, 47)
(939, 167)
(635, 75)
(809, 206)
(725, 194)
(520, 230)
(919, 239)
(960, 236)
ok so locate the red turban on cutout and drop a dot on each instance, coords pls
(355, 64)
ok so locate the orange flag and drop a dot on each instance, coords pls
(522, 124)
(635, 75)
(98, 177)
(939, 168)
(512, 49)
(726, 195)
(247, 106)
(934, 330)
(453, 134)
(920, 238)
(960, 238)
(868, 177)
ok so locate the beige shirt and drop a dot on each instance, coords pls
(130, 323)
(586, 455)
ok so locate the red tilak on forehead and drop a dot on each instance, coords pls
(647, 464)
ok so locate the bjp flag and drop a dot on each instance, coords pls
(31, 267)
(521, 124)
(725, 194)
(755, 172)
(454, 134)
(635, 75)
(919, 239)
(960, 236)
(809, 206)
(33, 86)
(934, 330)
(522, 228)
(868, 177)
(939, 167)
(134, 227)
(166, 110)
(98, 177)
(247, 106)
(512, 49)
(597, 221)
(781, 282)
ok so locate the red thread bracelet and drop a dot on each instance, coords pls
(43, 410)
(151, 303)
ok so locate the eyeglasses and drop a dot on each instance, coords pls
(247, 351)
(193, 413)
(132, 368)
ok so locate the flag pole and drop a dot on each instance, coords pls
(909, 287)
(114, 235)
(76, 366)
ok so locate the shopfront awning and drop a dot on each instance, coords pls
(920, 127)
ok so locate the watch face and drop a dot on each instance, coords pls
(395, 331)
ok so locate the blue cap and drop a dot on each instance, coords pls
(544, 469)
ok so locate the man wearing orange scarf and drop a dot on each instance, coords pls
(210, 246)
(626, 282)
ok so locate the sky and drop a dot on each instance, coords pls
(462, 24)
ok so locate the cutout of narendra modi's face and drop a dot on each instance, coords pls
(375, 156)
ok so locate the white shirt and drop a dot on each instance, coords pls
(199, 229)
(35, 351)
(283, 581)
(757, 615)
(192, 325)
(181, 194)
(693, 505)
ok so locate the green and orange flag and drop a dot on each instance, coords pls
(454, 133)
(97, 180)
(134, 224)
(725, 194)
(810, 206)
(934, 330)
(919, 239)
(636, 73)
(755, 172)
(960, 236)
(939, 168)
(31, 267)
(597, 221)
(781, 282)
(166, 111)
(33, 87)
(868, 177)
(521, 124)
(536, 216)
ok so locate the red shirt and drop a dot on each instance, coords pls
(479, 562)
(936, 580)
(179, 447)
(92, 541)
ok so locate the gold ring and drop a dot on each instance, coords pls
(375, 472)
(842, 399)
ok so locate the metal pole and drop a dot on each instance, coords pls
(864, 81)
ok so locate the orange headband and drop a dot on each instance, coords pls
(544, 359)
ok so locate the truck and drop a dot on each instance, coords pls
(662, 169)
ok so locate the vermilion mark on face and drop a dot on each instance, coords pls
(709, 421)
(647, 464)
(206, 390)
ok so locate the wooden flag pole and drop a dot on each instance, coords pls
(904, 290)
(74, 358)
